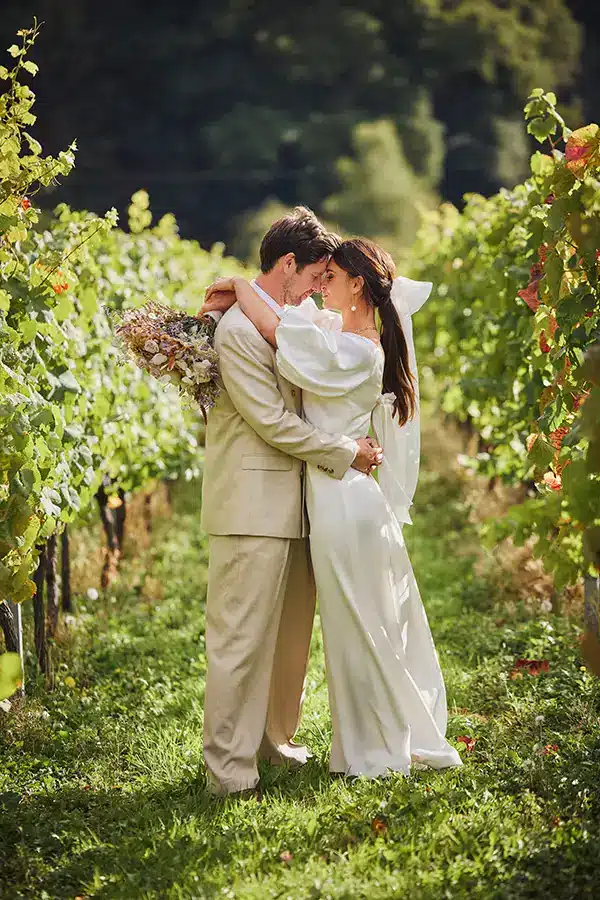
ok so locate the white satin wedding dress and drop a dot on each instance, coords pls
(386, 690)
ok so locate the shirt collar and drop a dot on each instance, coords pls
(267, 298)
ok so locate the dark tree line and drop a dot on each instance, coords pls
(218, 105)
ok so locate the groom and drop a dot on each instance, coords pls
(261, 593)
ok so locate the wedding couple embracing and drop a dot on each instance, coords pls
(293, 509)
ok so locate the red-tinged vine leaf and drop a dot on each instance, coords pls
(557, 436)
(530, 441)
(547, 396)
(536, 271)
(559, 467)
(552, 481)
(552, 325)
(469, 742)
(582, 149)
(590, 650)
(530, 295)
(579, 400)
(544, 345)
(286, 856)
(379, 825)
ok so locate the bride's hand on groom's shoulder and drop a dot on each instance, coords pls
(220, 295)
(218, 298)
(224, 283)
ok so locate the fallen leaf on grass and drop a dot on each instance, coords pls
(529, 667)
(550, 749)
(469, 742)
(379, 825)
(286, 856)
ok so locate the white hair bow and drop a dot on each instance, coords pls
(408, 296)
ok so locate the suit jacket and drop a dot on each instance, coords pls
(256, 442)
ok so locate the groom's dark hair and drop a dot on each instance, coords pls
(299, 232)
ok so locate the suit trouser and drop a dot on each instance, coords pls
(259, 617)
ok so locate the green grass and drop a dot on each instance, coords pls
(103, 793)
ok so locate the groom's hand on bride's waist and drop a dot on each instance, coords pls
(369, 455)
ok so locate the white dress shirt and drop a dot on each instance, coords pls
(267, 298)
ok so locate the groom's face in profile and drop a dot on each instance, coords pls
(301, 283)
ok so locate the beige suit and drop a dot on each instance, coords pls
(261, 595)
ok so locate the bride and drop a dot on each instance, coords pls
(386, 690)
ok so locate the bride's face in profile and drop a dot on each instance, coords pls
(338, 289)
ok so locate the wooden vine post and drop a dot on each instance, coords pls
(65, 571)
(8, 623)
(113, 523)
(120, 516)
(39, 618)
(52, 595)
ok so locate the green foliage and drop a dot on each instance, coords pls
(252, 227)
(225, 105)
(516, 308)
(71, 411)
(11, 674)
(381, 195)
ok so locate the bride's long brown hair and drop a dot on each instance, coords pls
(360, 257)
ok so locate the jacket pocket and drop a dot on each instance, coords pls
(273, 463)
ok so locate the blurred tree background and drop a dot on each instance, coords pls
(369, 112)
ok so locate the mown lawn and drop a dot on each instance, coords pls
(103, 791)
